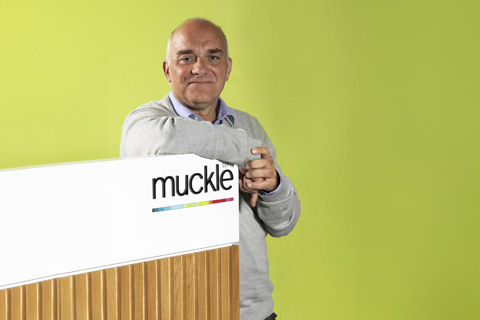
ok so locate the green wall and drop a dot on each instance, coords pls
(372, 106)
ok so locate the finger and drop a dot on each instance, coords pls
(253, 199)
(252, 184)
(267, 185)
(262, 151)
(243, 189)
(245, 182)
(255, 174)
(259, 163)
(246, 190)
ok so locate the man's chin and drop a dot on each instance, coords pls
(202, 99)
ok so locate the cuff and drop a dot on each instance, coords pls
(266, 193)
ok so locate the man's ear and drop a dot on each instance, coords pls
(229, 68)
(166, 70)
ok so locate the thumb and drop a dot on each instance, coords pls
(253, 199)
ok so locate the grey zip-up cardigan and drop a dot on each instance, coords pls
(155, 129)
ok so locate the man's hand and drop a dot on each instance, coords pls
(260, 174)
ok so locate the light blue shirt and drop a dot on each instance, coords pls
(224, 114)
(223, 111)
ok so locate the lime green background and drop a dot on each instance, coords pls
(372, 106)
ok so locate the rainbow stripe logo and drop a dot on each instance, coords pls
(189, 205)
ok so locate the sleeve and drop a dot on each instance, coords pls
(279, 211)
(149, 131)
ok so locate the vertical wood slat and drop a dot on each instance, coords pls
(126, 293)
(213, 297)
(32, 301)
(4, 304)
(82, 294)
(224, 284)
(202, 292)
(49, 300)
(139, 299)
(97, 297)
(17, 303)
(189, 286)
(66, 297)
(198, 286)
(152, 290)
(166, 307)
(113, 296)
(178, 287)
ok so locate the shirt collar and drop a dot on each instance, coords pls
(223, 111)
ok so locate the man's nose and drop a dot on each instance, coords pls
(200, 67)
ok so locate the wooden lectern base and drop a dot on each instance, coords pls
(202, 285)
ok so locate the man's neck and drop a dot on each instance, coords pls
(208, 114)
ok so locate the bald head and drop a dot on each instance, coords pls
(197, 66)
(195, 25)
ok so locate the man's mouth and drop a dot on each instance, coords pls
(200, 82)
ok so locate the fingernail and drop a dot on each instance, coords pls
(249, 185)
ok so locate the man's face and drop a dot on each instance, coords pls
(197, 66)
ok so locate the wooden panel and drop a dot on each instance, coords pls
(202, 292)
(82, 294)
(166, 288)
(67, 302)
(98, 294)
(213, 301)
(4, 304)
(17, 303)
(49, 300)
(190, 286)
(139, 291)
(32, 297)
(126, 293)
(178, 287)
(152, 290)
(224, 284)
(198, 286)
(113, 294)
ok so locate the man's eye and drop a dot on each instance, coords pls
(214, 57)
(185, 59)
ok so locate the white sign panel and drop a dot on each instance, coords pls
(74, 218)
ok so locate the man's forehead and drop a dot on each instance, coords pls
(200, 37)
(183, 44)
(181, 51)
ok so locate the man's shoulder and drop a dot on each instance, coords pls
(163, 104)
(156, 108)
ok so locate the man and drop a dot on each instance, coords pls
(193, 118)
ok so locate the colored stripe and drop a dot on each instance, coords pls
(194, 204)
